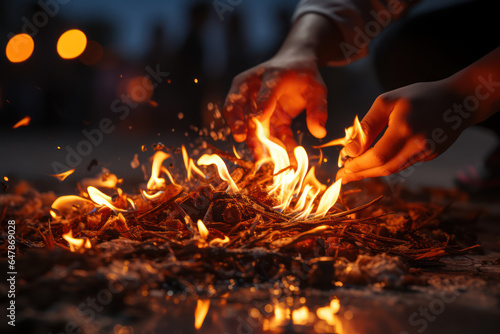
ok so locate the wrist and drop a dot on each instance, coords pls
(313, 37)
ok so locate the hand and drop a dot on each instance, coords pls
(275, 92)
(417, 130)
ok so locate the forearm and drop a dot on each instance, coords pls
(313, 36)
(479, 86)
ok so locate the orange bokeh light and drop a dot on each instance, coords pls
(71, 44)
(19, 48)
(140, 89)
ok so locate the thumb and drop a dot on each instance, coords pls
(372, 124)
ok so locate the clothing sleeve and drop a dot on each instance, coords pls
(359, 21)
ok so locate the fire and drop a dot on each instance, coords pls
(202, 306)
(76, 244)
(102, 199)
(352, 133)
(104, 180)
(299, 183)
(23, 122)
(156, 184)
(300, 316)
(219, 241)
(62, 176)
(327, 313)
(68, 203)
(209, 159)
(190, 165)
(202, 229)
(236, 154)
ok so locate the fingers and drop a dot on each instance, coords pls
(284, 134)
(372, 124)
(316, 108)
(267, 96)
(237, 102)
(414, 151)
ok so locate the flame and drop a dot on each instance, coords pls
(66, 203)
(202, 229)
(190, 166)
(327, 313)
(202, 306)
(219, 241)
(104, 180)
(209, 159)
(76, 244)
(300, 183)
(279, 314)
(352, 133)
(236, 154)
(330, 196)
(102, 199)
(62, 176)
(300, 316)
(156, 183)
(23, 122)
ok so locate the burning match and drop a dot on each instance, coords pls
(149, 188)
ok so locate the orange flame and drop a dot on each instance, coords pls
(202, 306)
(327, 313)
(65, 204)
(209, 159)
(299, 183)
(236, 154)
(24, 122)
(190, 166)
(62, 176)
(76, 244)
(104, 180)
(300, 316)
(352, 133)
(102, 199)
(156, 184)
(202, 229)
(219, 241)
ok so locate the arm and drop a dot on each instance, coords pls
(424, 119)
(278, 90)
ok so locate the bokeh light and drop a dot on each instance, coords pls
(140, 89)
(19, 48)
(71, 44)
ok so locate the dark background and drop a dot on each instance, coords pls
(188, 39)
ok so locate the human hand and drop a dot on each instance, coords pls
(417, 130)
(276, 92)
